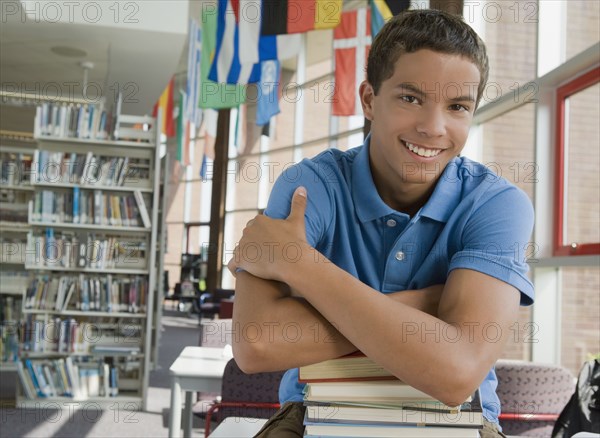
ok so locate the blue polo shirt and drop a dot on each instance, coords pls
(474, 219)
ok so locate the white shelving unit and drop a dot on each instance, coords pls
(137, 325)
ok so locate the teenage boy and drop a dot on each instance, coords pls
(398, 248)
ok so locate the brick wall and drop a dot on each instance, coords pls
(508, 140)
(580, 316)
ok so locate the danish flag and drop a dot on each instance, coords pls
(351, 44)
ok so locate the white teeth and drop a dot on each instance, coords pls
(422, 151)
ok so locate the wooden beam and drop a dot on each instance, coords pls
(217, 208)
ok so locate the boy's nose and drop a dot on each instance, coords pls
(432, 123)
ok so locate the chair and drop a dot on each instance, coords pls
(532, 396)
(209, 303)
(246, 395)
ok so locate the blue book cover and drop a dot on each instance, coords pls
(50, 246)
(114, 383)
(34, 379)
(76, 195)
(90, 120)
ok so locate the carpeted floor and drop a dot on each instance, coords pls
(178, 332)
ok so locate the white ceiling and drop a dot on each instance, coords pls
(135, 46)
(137, 50)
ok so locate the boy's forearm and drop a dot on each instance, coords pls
(278, 331)
(427, 300)
(275, 331)
(410, 343)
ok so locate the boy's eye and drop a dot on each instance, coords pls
(409, 99)
(458, 107)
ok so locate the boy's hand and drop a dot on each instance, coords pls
(270, 247)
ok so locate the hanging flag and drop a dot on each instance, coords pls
(240, 47)
(268, 98)
(383, 10)
(211, 118)
(269, 47)
(192, 112)
(226, 66)
(297, 16)
(351, 44)
(212, 94)
(165, 103)
(183, 131)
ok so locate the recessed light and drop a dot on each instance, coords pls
(69, 52)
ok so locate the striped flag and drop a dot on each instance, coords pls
(383, 10)
(240, 46)
(226, 66)
(212, 94)
(351, 43)
(297, 16)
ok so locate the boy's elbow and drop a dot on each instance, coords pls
(250, 356)
(458, 389)
(454, 398)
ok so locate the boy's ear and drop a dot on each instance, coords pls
(367, 97)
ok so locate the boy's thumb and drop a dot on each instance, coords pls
(298, 204)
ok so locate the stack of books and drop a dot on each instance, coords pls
(352, 396)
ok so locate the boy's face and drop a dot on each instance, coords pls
(421, 116)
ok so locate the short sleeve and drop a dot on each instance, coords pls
(319, 210)
(495, 238)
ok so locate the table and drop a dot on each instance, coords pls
(195, 369)
(238, 427)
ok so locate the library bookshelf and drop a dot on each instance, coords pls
(86, 330)
(16, 156)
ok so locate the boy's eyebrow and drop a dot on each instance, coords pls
(408, 86)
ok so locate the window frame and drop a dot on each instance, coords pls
(563, 92)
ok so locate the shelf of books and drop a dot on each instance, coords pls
(16, 157)
(85, 334)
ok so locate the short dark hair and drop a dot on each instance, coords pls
(430, 29)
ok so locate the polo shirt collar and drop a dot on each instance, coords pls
(369, 205)
(367, 202)
(446, 195)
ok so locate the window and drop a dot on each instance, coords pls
(580, 320)
(576, 226)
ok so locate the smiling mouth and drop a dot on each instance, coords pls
(420, 150)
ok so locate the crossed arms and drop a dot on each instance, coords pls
(432, 339)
